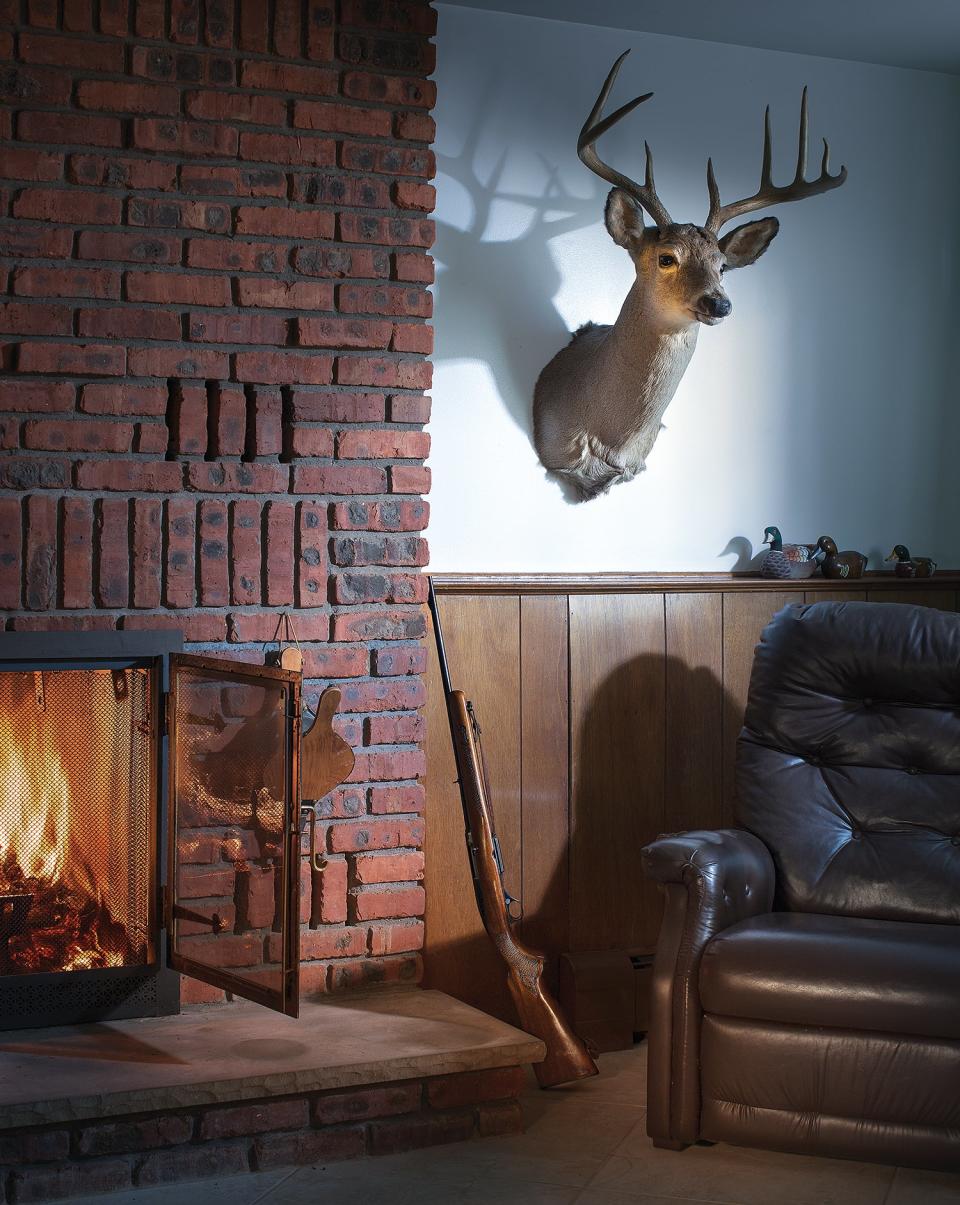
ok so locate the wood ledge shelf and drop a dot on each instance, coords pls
(632, 583)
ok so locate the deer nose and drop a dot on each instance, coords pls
(716, 307)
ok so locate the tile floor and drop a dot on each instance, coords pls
(585, 1144)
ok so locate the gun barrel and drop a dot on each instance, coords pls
(438, 633)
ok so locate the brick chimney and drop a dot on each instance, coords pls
(214, 264)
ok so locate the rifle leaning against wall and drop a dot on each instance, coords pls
(567, 1057)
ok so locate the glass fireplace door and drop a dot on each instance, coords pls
(233, 901)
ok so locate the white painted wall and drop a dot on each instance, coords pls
(827, 402)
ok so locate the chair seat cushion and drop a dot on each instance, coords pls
(808, 969)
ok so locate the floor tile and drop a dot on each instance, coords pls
(739, 1176)
(912, 1187)
(584, 1145)
(606, 1196)
(566, 1141)
(623, 1077)
(564, 1146)
(226, 1190)
(371, 1185)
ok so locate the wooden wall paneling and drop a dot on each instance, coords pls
(544, 775)
(941, 600)
(617, 708)
(610, 707)
(482, 638)
(744, 618)
(814, 596)
(694, 711)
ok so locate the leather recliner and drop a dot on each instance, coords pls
(806, 985)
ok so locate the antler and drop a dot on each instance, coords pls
(768, 193)
(595, 125)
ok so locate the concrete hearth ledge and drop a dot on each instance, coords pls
(242, 1052)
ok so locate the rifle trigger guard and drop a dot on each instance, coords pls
(317, 861)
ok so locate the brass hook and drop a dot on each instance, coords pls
(317, 861)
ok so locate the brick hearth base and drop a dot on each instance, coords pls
(97, 1108)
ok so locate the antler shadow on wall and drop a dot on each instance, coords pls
(497, 294)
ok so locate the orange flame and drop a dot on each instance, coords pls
(34, 802)
(47, 856)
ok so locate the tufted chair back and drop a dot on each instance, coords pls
(848, 765)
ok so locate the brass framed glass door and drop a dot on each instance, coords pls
(234, 815)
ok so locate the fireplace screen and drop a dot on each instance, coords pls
(235, 849)
(77, 820)
(82, 757)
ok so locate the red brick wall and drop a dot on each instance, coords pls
(214, 264)
(43, 1163)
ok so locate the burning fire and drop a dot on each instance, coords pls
(54, 910)
(34, 815)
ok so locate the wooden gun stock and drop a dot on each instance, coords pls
(567, 1057)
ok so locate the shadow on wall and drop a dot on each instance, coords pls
(497, 294)
(748, 559)
(647, 759)
(742, 549)
(630, 783)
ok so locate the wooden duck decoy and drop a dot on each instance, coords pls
(787, 560)
(910, 566)
(838, 565)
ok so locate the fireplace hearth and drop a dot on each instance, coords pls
(149, 823)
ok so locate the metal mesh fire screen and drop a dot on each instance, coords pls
(77, 820)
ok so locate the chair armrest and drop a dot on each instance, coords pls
(729, 869)
(711, 880)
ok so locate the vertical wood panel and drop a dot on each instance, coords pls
(694, 711)
(940, 600)
(815, 596)
(482, 637)
(587, 765)
(544, 765)
(744, 618)
(617, 742)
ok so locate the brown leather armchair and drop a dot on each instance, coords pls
(806, 987)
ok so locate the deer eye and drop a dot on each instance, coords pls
(723, 268)
(667, 261)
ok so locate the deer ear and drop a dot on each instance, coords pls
(747, 243)
(624, 218)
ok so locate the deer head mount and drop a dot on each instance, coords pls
(597, 405)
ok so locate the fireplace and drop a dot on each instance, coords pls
(77, 819)
(149, 824)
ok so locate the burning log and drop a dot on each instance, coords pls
(13, 915)
(46, 925)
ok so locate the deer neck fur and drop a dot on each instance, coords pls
(642, 360)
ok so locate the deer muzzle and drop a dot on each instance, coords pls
(712, 308)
